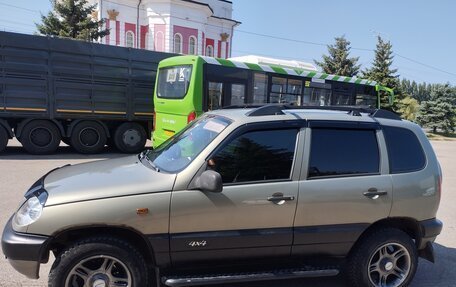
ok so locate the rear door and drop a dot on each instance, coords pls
(346, 187)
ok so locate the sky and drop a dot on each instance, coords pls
(422, 32)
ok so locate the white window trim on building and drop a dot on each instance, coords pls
(179, 49)
(210, 51)
(129, 36)
(192, 46)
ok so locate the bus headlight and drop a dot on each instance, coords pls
(30, 211)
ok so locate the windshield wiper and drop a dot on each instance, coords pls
(143, 156)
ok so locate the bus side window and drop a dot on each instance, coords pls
(366, 96)
(260, 88)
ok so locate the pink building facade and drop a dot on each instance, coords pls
(198, 27)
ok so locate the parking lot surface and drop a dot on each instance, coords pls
(19, 170)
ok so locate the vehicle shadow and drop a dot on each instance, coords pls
(63, 152)
(428, 274)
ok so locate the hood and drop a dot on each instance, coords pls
(102, 179)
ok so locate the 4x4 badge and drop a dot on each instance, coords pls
(197, 243)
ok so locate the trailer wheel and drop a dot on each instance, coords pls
(130, 138)
(40, 137)
(3, 138)
(88, 137)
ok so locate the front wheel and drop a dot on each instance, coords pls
(384, 258)
(99, 262)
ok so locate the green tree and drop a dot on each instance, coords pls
(338, 61)
(440, 111)
(408, 108)
(383, 73)
(72, 19)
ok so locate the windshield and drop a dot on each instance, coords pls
(179, 151)
(173, 82)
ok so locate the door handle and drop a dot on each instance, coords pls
(374, 193)
(277, 197)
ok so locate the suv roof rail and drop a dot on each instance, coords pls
(273, 109)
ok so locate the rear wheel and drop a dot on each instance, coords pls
(3, 138)
(40, 137)
(88, 137)
(130, 137)
(384, 258)
(99, 262)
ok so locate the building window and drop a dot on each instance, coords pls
(178, 43)
(192, 45)
(160, 41)
(129, 39)
(210, 51)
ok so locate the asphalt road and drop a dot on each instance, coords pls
(18, 170)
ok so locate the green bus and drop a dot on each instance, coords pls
(188, 86)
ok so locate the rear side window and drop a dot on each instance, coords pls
(343, 152)
(257, 156)
(404, 150)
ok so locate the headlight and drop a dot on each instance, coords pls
(31, 210)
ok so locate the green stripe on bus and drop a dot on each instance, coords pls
(347, 79)
(324, 76)
(254, 67)
(299, 71)
(227, 63)
(358, 81)
(278, 70)
(336, 78)
(311, 74)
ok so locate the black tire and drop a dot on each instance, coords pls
(365, 267)
(88, 137)
(40, 137)
(3, 138)
(126, 263)
(130, 138)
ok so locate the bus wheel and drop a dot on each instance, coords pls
(40, 137)
(88, 137)
(130, 137)
(3, 138)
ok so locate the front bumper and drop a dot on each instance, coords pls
(25, 252)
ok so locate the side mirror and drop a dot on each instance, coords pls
(209, 181)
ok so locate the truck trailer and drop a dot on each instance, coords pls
(87, 95)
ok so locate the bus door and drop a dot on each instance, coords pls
(223, 93)
(224, 86)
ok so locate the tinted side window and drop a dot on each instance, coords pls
(257, 156)
(339, 152)
(404, 150)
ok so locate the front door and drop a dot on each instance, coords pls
(223, 93)
(253, 216)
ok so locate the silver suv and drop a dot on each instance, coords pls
(274, 192)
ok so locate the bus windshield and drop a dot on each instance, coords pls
(173, 82)
(179, 151)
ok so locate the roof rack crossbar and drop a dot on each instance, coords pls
(277, 109)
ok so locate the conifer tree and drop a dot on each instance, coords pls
(338, 61)
(440, 111)
(72, 19)
(383, 73)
